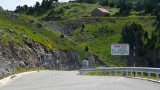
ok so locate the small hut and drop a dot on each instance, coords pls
(100, 12)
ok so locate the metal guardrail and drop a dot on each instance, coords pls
(124, 71)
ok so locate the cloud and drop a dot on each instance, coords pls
(11, 4)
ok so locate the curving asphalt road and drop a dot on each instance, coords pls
(69, 80)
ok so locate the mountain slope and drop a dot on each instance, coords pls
(99, 33)
(28, 27)
(61, 37)
(26, 43)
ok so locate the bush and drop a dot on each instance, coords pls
(61, 36)
(86, 48)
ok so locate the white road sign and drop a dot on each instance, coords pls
(120, 49)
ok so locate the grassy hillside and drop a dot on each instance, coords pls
(20, 28)
(99, 37)
(96, 33)
(72, 11)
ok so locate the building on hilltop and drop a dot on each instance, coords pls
(100, 12)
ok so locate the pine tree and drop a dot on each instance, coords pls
(86, 48)
(133, 34)
(146, 35)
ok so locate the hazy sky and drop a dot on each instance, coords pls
(11, 4)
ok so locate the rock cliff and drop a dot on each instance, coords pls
(33, 55)
(1, 9)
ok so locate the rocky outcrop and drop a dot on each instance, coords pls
(1, 9)
(70, 26)
(94, 61)
(32, 55)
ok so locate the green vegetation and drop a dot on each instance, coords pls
(89, 35)
(21, 28)
(99, 37)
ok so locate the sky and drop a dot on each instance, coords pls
(12, 4)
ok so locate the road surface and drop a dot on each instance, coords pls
(69, 80)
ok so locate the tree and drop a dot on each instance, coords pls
(26, 7)
(156, 11)
(152, 42)
(158, 17)
(37, 5)
(37, 8)
(149, 8)
(125, 8)
(91, 1)
(18, 9)
(133, 34)
(30, 10)
(104, 3)
(55, 1)
(61, 36)
(139, 6)
(83, 26)
(112, 4)
(86, 48)
(157, 21)
(86, 1)
(146, 35)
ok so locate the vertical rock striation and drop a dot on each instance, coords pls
(32, 55)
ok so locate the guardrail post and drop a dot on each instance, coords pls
(157, 76)
(131, 73)
(127, 73)
(89, 73)
(149, 75)
(121, 73)
(136, 74)
(104, 73)
(81, 72)
(110, 72)
(96, 73)
(101, 73)
(142, 75)
(115, 73)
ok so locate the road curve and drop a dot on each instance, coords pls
(69, 80)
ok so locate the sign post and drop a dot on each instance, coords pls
(120, 49)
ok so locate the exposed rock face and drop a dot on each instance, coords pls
(32, 55)
(70, 26)
(94, 61)
(1, 9)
